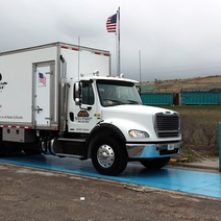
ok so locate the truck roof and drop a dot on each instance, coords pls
(109, 78)
(57, 44)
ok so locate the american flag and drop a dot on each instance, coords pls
(41, 79)
(111, 23)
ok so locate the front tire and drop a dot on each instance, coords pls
(109, 156)
(154, 164)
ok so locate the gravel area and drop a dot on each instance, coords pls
(30, 194)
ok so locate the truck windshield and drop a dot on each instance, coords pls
(113, 93)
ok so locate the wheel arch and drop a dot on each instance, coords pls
(104, 129)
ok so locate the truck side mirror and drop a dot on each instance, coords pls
(138, 87)
(77, 93)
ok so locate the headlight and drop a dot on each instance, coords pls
(138, 134)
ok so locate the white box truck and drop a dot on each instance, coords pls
(61, 99)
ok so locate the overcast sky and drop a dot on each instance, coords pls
(177, 38)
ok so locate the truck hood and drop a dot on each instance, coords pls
(138, 117)
(134, 110)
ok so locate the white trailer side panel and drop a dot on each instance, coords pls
(16, 83)
(92, 61)
(89, 61)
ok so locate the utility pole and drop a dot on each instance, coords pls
(140, 71)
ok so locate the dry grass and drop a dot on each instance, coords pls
(199, 130)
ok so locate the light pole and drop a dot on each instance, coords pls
(140, 69)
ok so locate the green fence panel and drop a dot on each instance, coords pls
(201, 98)
(157, 99)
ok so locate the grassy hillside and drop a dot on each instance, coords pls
(199, 83)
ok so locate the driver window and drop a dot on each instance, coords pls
(87, 93)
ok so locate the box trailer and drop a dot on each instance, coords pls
(61, 99)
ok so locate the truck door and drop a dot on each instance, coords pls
(43, 85)
(82, 118)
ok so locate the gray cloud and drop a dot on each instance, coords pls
(177, 38)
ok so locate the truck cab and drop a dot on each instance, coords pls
(108, 113)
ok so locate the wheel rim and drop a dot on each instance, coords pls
(105, 156)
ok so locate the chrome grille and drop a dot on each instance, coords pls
(167, 125)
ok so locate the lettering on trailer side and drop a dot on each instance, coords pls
(2, 83)
(11, 117)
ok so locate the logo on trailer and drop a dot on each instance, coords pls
(2, 83)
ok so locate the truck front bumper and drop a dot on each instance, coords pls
(142, 151)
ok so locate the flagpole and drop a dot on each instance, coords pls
(118, 42)
(113, 25)
(79, 42)
(140, 71)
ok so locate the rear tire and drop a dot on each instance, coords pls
(154, 164)
(109, 156)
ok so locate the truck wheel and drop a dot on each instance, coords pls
(109, 157)
(43, 145)
(154, 164)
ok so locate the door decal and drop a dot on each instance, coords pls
(42, 80)
(83, 117)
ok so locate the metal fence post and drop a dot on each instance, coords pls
(219, 144)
